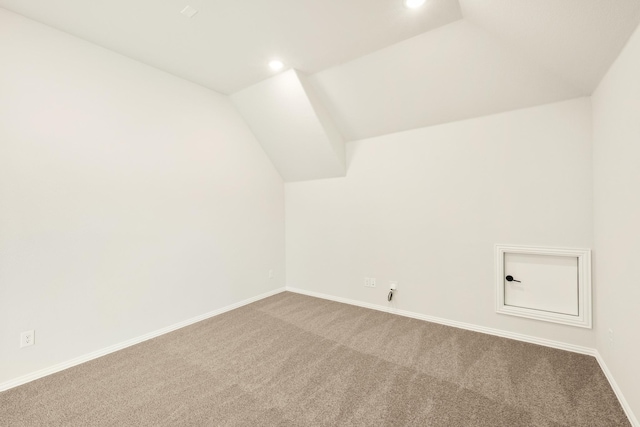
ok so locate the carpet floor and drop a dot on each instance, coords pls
(293, 360)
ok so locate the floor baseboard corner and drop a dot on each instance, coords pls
(454, 323)
(616, 389)
(491, 331)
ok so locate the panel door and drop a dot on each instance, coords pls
(547, 282)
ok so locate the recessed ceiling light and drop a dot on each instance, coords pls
(188, 11)
(276, 65)
(413, 4)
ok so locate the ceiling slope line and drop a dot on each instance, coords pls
(293, 128)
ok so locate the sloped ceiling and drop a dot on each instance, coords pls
(376, 66)
(293, 128)
(227, 45)
(452, 73)
(578, 40)
(504, 55)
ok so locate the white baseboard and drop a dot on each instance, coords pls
(491, 331)
(104, 351)
(616, 389)
(497, 332)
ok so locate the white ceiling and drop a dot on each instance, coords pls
(576, 39)
(452, 73)
(504, 55)
(377, 66)
(228, 43)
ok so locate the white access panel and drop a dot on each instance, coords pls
(546, 282)
(550, 284)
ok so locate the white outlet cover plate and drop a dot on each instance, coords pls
(27, 338)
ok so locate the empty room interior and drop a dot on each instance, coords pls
(319, 213)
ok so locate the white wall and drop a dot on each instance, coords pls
(426, 207)
(616, 115)
(130, 199)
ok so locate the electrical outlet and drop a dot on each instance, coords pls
(270, 274)
(370, 282)
(373, 282)
(27, 338)
(611, 336)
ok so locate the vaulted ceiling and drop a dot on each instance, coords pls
(373, 66)
(226, 46)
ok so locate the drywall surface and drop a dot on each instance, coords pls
(130, 199)
(452, 73)
(616, 116)
(292, 127)
(577, 40)
(426, 207)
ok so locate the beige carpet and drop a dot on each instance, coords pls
(293, 360)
